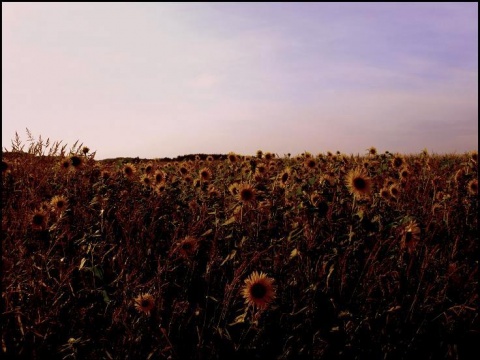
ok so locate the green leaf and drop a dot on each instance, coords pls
(98, 272)
(105, 297)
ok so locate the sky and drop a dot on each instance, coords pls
(160, 80)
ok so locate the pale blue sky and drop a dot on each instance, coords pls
(165, 79)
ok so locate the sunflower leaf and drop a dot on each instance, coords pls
(229, 221)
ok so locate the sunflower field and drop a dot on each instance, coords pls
(326, 256)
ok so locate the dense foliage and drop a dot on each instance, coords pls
(372, 256)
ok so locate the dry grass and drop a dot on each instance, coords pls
(388, 275)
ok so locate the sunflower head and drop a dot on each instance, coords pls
(394, 190)
(159, 176)
(188, 247)
(358, 183)
(385, 193)
(39, 219)
(146, 180)
(410, 236)
(328, 179)
(284, 176)
(213, 191)
(309, 163)
(259, 290)
(59, 203)
(472, 187)
(459, 176)
(205, 174)
(404, 173)
(183, 169)
(76, 161)
(246, 193)
(398, 161)
(160, 187)
(105, 175)
(144, 303)
(129, 170)
(261, 169)
(315, 198)
(232, 157)
(372, 150)
(149, 168)
(65, 164)
(474, 156)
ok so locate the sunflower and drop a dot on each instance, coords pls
(59, 203)
(398, 161)
(285, 176)
(188, 247)
(246, 193)
(65, 164)
(315, 198)
(472, 187)
(209, 158)
(309, 163)
(261, 169)
(76, 161)
(459, 176)
(232, 157)
(474, 156)
(205, 174)
(149, 168)
(268, 156)
(144, 303)
(258, 290)
(129, 170)
(358, 183)
(410, 236)
(105, 175)
(213, 192)
(146, 180)
(328, 178)
(259, 154)
(160, 187)
(404, 173)
(385, 193)
(159, 176)
(394, 190)
(436, 207)
(183, 169)
(39, 220)
(389, 182)
(372, 150)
